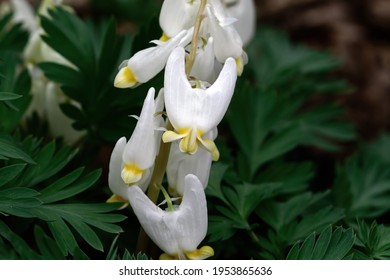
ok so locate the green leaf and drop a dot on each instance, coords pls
(23, 250)
(19, 202)
(46, 245)
(363, 182)
(328, 246)
(69, 185)
(9, 173)
(375, 240)
(77, 48)
(220, 228)
(49, 161)
(214, 187)
(8, 96)
(9, 148)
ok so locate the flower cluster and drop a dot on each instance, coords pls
(46, 95)
(202, 51)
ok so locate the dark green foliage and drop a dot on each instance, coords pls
(362, 185)
(328, 246)
(96, 52)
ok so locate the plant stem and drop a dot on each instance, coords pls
(163, 155)
(195, 36)
(155, 182)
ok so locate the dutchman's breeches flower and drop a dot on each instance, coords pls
(181, 164)
(193, 112)
(178, 231)
(178, 15)
(245, 13)
(147, 63)
(132, 162)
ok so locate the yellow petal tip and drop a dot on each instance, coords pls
(125, 78)
(164, 37)
(116, 198)
(201, 254)
(131, 173)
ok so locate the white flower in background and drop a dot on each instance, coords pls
(23, 13)
(60, 125)
(47, 96)
(132, 162)
(181, 164)
(245, 13)
(147, 63)
(178, 15)
(178, 232)
(193, 112)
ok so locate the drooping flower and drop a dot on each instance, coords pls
(223, 31)
(181, 164)
(178, 15)
(147, 63)
(60, 125)
(193, 112)
(132, 162)
(178, 232)
(245, 13)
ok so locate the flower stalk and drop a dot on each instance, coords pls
(195, 37)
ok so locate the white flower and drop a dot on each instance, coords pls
(245, 13)
(227, 41)
(195, 111)
(181, 164)
(178, 15)
(23, 13)
(147, 63)
(179, 232)
(140, 151)
(60, 125)
(133, 162)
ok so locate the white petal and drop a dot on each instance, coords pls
(141, 147)
(177, 15)
(115, 182)
(177, 90)
(224, 35)
(23, 13)
(181, 164)
(187, 107)
(158, 224)
(147, 63)
(203, 68)
(245, 13)
(220, 93)
(192, 221)
(60, 125)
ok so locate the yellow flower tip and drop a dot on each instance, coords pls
(125, 78)
(116, 198)
(201, 254)
(215, 154)
(188, 146)
(166, 257)
(240, 66)
(170, 136)
(164, 37)
(210, 146)
(131, 173)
